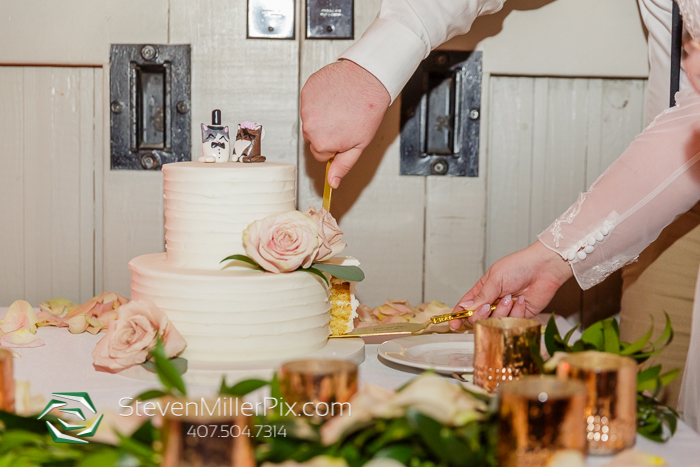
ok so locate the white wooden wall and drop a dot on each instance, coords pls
(549, 139)
(47, 204)
(418, 238)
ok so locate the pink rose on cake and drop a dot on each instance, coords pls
(282, 242)
(133, 335)
(329, 234)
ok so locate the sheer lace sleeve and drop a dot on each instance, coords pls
(654, 181)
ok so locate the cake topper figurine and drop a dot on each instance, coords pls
(216, 142)
(247, 145)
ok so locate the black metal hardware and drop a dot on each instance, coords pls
(150, 119)
(440, 113)
(676, 46)
(330, 19)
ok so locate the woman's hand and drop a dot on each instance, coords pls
(525, 282)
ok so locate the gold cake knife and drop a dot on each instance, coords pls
(408, 328)
(327, 190)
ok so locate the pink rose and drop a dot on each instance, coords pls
(329, 234)
(19, 317)
(282, 242)
(93, 315)
(133, 335)
(248, 125)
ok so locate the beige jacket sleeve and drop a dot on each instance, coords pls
(405, 32)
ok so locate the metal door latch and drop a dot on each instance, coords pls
(150, 120)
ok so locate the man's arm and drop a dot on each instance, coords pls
(343, 104)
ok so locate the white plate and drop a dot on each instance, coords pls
(444, 353)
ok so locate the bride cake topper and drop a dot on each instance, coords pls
(248, 143)
(216, 142)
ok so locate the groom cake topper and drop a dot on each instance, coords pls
(216, 142)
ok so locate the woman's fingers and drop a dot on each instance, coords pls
(504, 307)
(519, 307)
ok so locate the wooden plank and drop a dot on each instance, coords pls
(11, 184)
(509, 169)
(454, 236)
(100, 152)
(86, 182)
(77, 32)
(380, 212)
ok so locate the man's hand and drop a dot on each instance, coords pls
(342, 105)
(524, 281)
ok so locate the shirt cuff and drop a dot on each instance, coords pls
(390, 51)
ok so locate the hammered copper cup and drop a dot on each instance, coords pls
(318, 388)
(195, 436)
(504, 350)
(7, 382)
(540, 416)
(611, 407)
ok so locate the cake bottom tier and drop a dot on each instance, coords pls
(236, 315)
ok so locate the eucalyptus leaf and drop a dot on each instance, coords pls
(346, 273)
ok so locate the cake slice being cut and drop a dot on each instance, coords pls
(343, 306)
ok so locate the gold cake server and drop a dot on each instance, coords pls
(327, 190)
(408, 328)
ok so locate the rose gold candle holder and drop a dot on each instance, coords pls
(504, 350)
(611, 406)
(539, 416)
(194, 438)
(320, 388)
(7, 381)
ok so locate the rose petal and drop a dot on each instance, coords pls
(21, 338)
(20, 316)
(46, 318)
(57, 306)
(77, 324)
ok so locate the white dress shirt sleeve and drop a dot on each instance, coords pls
(405, 32)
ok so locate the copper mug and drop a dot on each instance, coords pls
(504, 350)
(539, 417)
(611, 406)
(318, 388)
(7, 381)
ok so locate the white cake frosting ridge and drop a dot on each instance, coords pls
(207, 207)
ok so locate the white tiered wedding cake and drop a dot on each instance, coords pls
(233, 313)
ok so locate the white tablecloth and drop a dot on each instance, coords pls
(64, 364)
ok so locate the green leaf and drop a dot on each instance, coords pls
(568, 335)
(611, 336)
(105, 457)
(148, 395)
(346, 273)
(666, 336)
(669, 376)
(242, 388)
(594, 335)
(317, 272)
(167, 372)
(639, 344)
(552, 338)
(244, 259)
(179, 363)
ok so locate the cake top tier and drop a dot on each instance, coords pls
(207, 207)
